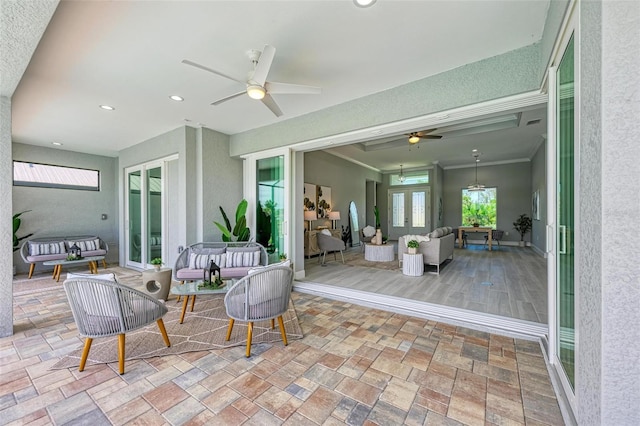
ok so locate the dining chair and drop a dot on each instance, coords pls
(496, 236)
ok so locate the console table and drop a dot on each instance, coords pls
(482, 229)
(311, 241)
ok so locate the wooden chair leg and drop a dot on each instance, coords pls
(104, 263)
(32, 267)
(85, 353)
(249, 335)
(163, 331)
(282, 332)
(121, 353)
(230, 328)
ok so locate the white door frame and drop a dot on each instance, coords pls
(144, 262)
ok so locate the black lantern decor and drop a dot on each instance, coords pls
(210, 274)
(75, 251)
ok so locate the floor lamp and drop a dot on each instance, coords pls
(333, 217)
(310, 215)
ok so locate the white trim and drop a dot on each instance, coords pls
(476, 320)
(492, 163)
(520, 101)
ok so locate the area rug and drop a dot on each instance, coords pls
(356, 258)
(203, 329)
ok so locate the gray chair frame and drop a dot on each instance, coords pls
(496, 235)
(104, 308)
(260, 296)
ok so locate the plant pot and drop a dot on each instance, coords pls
(412, 250)
(157, 267)
(521, 243)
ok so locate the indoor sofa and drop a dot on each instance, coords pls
(235, 259)
(435, 247)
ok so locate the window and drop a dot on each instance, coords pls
(47, 176)
(411, 178)
(479, 207)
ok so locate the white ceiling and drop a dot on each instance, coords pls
(128, 55)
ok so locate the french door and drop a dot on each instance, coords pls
(145, 214)
(409, 211)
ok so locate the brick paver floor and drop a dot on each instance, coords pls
(355, 365)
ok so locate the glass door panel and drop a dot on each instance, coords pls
(270, 212)
(154, 213)
(134, 216)
(565, 332)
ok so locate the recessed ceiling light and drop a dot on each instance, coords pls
(107, 107)
(474, 150)
(176, 98)
(364, 3)
(56, 143)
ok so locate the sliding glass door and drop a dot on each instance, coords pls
(145, 214)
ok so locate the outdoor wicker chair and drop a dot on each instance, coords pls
(104, 308)
(260, 296)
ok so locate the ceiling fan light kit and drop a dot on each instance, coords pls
(364, 3)
(255, 92)
(414, 139)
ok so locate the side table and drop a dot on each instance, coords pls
(157, 283)
(412, 264)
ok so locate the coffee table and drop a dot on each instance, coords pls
(58, 264)
(191, 289)
(379, 253)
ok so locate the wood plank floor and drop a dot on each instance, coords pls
(510, 281)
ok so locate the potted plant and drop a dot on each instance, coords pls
(282, 257)
(16, 240)
(413, 246)
(240, 230)
(157, 263)
(16, 225)
(523, 226)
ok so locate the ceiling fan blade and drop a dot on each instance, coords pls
(430, 137)
(202, 67)
(291, 89)
(425, 132)
(226, 98)
(264, 64)
(272, 105)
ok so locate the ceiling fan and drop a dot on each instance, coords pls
(414, 137)
(256, 85)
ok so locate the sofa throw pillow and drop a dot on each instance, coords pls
(369, 231)
(237, 259)
(218, 259)
(198, 261)
(85, 245)
(37, 249)
(326, 232)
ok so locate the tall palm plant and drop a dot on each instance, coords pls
(16, 225)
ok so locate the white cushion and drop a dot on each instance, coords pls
(198, 261)
(272, 265)
(107, 277)
(38, 249)
(369, 231)
(326, 232)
